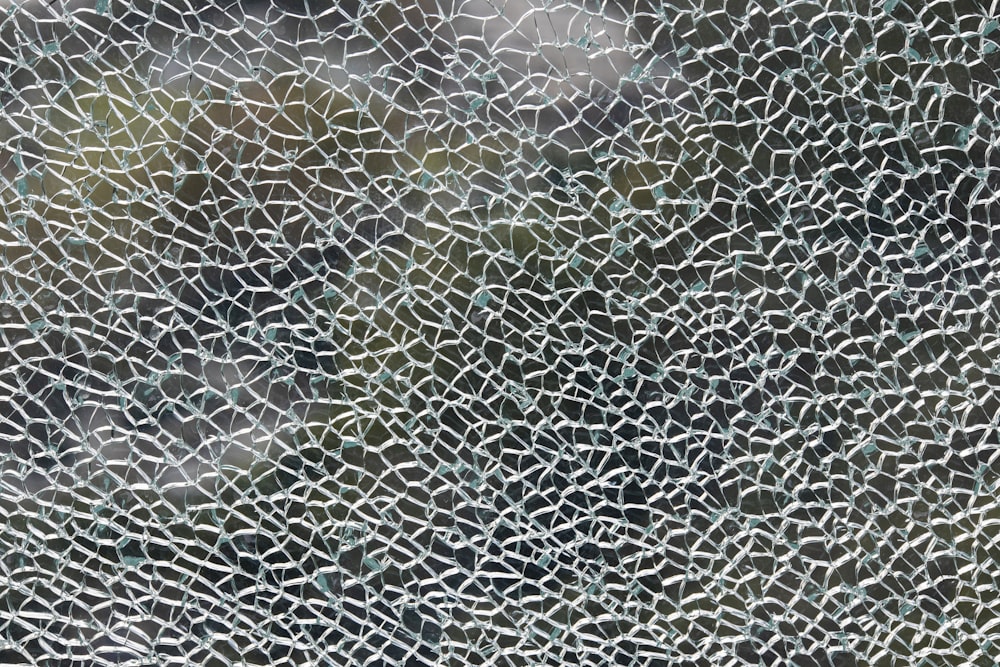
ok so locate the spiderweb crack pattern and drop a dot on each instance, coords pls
(508, 333)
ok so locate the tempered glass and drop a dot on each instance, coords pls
(524, 332)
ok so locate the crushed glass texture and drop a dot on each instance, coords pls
(524, 332)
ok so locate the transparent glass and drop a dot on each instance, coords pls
(515, 332)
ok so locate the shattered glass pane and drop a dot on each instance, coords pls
(511, 332)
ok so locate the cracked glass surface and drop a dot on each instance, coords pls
(524, 332)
